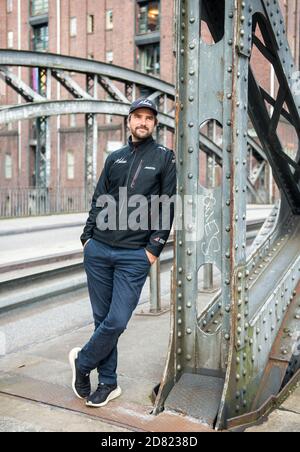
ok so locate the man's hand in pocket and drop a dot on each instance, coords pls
(151, 257)
(86, 243)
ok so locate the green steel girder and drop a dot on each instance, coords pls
(218, 356)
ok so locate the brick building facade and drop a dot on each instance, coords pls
(135, 34)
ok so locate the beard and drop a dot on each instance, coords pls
(141, 134)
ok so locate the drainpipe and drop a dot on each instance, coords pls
(58, 123)
(19, 15)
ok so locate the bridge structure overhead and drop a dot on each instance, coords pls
(226, 360)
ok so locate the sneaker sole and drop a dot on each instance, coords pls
(72, 357)
(112, 396)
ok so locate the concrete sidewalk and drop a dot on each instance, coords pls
(37, 380)
(35, 377)
(13, 226)
(286, 419)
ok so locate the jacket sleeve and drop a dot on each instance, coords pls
(159, 237)
(101, 189)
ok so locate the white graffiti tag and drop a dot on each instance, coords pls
(212, 244)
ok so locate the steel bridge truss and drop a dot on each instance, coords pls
(119, 88)
(227, 359)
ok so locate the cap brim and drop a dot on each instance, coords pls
(142, 108)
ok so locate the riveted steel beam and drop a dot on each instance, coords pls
(70, 85)
(65, 107)
(19, 86)
(227, 345)
(71, 64)
(91, 139)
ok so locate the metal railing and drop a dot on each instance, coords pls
(23, 202)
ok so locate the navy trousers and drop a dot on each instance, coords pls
(116, 277)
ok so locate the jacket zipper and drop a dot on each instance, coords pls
(127, 181)
(136, 175)
(130, 169)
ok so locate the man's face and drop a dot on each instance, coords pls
(142, 123)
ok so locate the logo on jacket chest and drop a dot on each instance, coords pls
(120, 161)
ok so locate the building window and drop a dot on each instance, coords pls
(90, 24)
(70, 165)
(10, 39)
(73, 122)
(148, 17)
(40, 38)
(108, 119)
(73, 27)
(39, 7)
(9, 6)
(149, 59)
(8, 166)
(110, 57)
(109, 20)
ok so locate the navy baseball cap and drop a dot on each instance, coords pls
(143, 103)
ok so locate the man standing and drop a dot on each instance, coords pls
(117, 259)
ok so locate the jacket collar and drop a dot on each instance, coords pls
(140, 144)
